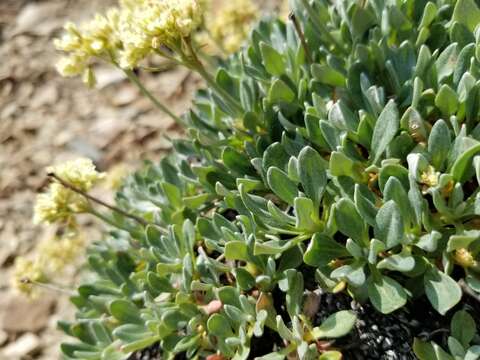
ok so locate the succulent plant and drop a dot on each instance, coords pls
(340, 149)
(463, 332)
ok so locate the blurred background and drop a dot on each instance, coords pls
(45, 119)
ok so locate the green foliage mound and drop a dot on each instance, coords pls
(346, 155)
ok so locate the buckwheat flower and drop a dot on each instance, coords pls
(148, 25)
(464, 258)
(82, 44)
(26, 273)
(116, 176)
(230, 26)
(57, 253)
(70, 66)
(429, 177)
(80, 173)
(58, 204)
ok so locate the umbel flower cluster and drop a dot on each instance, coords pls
(58, 205)
(128, 33)
(337, 152)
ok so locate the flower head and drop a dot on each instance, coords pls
(55, 254)
(147, 25)
(97, 38)
(80, 173)
(26, 273)
(60, 203)
(231, 25)
(57, 205)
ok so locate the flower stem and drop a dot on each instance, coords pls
(50, 287)
(301, 36)
(135, 80)
(69, 186)
(197, 65)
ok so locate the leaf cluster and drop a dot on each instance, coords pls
(355, 157)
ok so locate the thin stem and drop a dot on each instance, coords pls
(69, 186)
(198, 66)
(50, 287)
(301, 36)
(134, 79)
(468, 291)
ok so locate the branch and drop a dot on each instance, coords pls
(468, 291)
(69, 186)
(301, 35)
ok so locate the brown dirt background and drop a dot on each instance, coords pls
(45, 119)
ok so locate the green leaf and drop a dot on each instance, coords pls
(365, 203)
(354, 274)
(244, 279)
(442, 291)
(467, 12)
(429, 242)
(219, 325)
(280, 92)
(125, 311)
(389, 224)
(395, 191)
(385, 130)
(463, 240)
(313, 175)
(447, 100)
(281, 185)
(307, 217)
(336, 325)
(462, 169)
(463, 327)
(402, 262)
(429, 351)
(342, 165)
(348, 220)
(386, 294)
(331, 355)
(447, 61)
(236, 250)
(473, 353)
(327, 75)
(322, 250)
(429, 14)
(272, 60)
(439, 143)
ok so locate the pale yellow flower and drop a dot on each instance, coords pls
(59, 204)
(147, 25)
(57, 253)
(464, 258)
(26, 272)
(97, 38)
(115, 177)
(231, 24)
(429, 177)
(80, 173)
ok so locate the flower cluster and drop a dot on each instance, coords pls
(97, 38)
(51, 257)
(231, 25)
(26, 273)
(60, 203)
(127, 34)
(148, 25)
